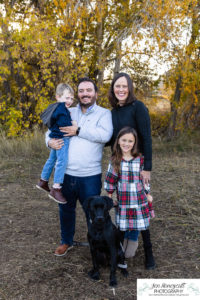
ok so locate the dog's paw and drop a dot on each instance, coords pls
(94, 274)
(113, 281)
(124, 272)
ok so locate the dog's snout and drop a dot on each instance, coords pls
(100, 219)
(99, 214)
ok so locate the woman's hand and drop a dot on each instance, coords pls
(69, 130)
(149, 198)
(146, 176)
(56, 144)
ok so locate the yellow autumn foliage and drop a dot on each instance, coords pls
(43, 43)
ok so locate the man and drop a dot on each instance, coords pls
(83, 174)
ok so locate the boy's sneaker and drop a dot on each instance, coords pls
(43, 185)
(57, 196)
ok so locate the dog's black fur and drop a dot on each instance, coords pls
(104, 238)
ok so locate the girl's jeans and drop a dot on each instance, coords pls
(131, 235)
(59, 159)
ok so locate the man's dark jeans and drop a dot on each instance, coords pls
(75, 188)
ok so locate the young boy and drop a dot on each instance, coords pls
(58, 158)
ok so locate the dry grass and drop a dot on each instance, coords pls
(30, 226)
(27, 146)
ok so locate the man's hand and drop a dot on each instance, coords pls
(115, 203)
(69, 130)
(146, 177)
(74, 123)
(56, 144)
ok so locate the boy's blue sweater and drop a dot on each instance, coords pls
(61, 118)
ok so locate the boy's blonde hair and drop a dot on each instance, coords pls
(63, 86)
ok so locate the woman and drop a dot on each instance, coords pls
(128, 111)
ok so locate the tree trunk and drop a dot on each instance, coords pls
(100, 62)
(189, 52)
(117, 59)
(174, 108)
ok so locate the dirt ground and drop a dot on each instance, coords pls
(29, 232)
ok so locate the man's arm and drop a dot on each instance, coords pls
(47, 138)
(102, 132)
(53, 143)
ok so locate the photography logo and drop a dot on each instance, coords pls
(168, 289)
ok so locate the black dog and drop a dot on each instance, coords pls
(104, 238)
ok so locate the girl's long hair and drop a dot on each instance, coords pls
(117, 152)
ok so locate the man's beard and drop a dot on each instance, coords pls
(86, 105)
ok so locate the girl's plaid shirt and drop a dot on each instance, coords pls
(133, 211)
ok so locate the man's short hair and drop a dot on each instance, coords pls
(61, 87)
(87, 79)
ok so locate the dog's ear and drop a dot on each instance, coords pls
(109, 202)
(86, 204)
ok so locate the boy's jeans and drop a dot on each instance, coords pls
(59, 159)
(75, 188)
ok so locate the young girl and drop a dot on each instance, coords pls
(134, 205)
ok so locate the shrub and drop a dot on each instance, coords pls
(159, 123)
